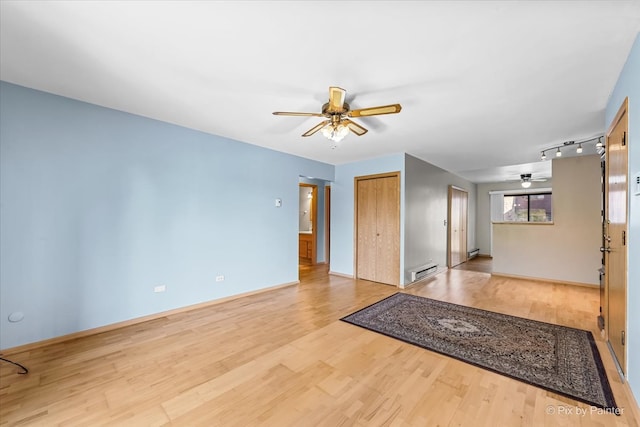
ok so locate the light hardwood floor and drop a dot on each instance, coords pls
(283, 358)
(481, 264)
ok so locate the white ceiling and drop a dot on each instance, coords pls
(484, 85)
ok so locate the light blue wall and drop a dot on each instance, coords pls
(628, 85)
(99, 206)
(342, 208)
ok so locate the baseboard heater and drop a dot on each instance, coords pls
(423, 271)
(473, 253)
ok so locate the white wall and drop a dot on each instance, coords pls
(569, 249)
(483, 212)
(426, 209)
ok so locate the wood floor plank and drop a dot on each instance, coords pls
(283, 358)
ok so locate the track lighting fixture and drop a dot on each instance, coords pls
(579, 149)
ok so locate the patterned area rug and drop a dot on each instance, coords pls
(556, 358)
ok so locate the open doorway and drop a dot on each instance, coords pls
(314, 222)
(308, 224)
(457, 226)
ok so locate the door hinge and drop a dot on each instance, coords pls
(624, 238)
(622, 337)
(624, 139)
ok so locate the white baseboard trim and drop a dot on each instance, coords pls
(335, 273)
(543, 279)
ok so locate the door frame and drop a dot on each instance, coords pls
(356, 179)
(622, 111)
(327, 224)
(314, 220)
(466, 225)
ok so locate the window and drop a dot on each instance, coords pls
(527, 207)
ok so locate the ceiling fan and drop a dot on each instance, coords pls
(526, 180)
(338, 115)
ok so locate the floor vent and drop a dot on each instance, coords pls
(473, 253)
(423, 271)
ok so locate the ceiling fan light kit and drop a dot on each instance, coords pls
(335, 132)
(338, 114)
(526, 180)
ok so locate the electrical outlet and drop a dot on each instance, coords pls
(220, 278)
(160, 288)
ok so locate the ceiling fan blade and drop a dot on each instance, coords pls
(354, 127)
(289, 113)
(336, 99)
(316, 128)
(375, 111)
